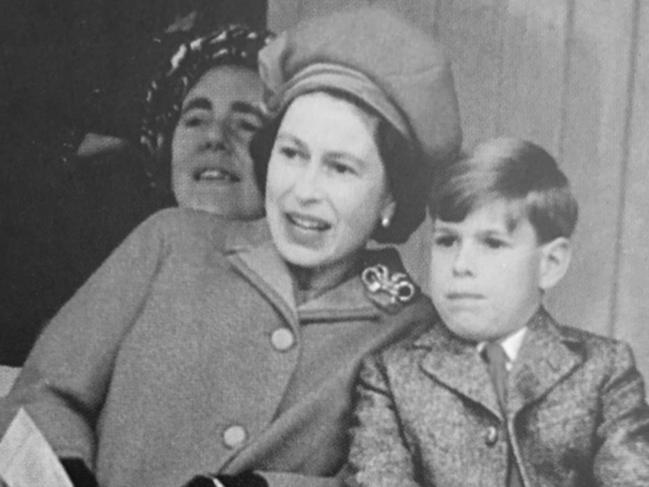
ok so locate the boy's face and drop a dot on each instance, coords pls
(486, 274)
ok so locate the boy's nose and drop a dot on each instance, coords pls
(463, 261)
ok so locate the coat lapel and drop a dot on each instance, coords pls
(457, 364)
(547, 355)
(251, 251)
(342, 303)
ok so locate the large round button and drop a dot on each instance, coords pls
(282, 339)
(491, 436)
(234, 436)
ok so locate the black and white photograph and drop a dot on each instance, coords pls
(324, 243)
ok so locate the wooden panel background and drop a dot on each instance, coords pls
(573, 76)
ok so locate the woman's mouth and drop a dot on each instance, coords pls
(306, 222)
(215, 175)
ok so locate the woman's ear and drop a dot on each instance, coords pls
(387, 213)
(555, 259)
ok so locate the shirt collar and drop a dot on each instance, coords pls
(511, 344)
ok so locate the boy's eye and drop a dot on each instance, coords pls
(494, 243)
(444, 240)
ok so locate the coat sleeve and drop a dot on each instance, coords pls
(378, 456)
(65, 378)
(623, 457)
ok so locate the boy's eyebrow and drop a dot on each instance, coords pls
(490, 232)
(442, 227)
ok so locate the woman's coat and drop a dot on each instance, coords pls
(186, 353)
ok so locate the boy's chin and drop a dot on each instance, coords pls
(477, 335)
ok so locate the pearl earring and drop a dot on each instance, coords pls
(385, 221)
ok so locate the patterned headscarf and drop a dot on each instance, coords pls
(234, 44)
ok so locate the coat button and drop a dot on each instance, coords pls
(234, 436)
(282, 339)
(491, 436)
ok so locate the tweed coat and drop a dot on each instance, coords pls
(576, 412)
(167, 364)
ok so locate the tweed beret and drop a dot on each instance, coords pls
(377, 56)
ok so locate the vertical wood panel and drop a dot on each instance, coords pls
(472, 33)
(593, 155)
(533, 51)
(632, 317)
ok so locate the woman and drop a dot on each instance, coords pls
(202, 346)
(199, 117)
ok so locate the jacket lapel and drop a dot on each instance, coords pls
(457, 364)
(547, 355)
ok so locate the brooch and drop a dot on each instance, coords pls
(396, 287)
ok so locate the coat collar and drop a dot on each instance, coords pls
(250, 249)
(548, 354)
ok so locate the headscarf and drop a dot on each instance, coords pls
(234, 44)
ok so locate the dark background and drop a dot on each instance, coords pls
(69, 67)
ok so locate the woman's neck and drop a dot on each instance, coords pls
(311, 282)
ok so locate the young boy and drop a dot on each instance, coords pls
(496, 393)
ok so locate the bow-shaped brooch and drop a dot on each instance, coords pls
(396, 287)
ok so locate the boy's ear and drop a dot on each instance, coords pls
(555, 259)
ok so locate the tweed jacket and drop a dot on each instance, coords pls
(168, 362)
(576, 413)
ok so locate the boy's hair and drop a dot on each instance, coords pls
(518, 171)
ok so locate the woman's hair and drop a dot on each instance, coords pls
(232, 45)
(408, 178)
(516, 171)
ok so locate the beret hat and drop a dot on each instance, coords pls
(378, 57)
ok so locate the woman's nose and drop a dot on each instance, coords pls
(215, 138)
(307, 183)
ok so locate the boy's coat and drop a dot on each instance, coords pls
(576, 413)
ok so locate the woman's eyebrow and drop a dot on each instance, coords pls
(291, 138)
(247, 108)
(199, 103)
(346, 156)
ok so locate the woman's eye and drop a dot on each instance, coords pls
(194, 120)
(341, 168)
(288, 152)
(246, 125)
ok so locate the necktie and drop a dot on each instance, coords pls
(497, 366)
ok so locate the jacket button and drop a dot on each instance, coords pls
(282, 339)
(491, 436)
(234, 436)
